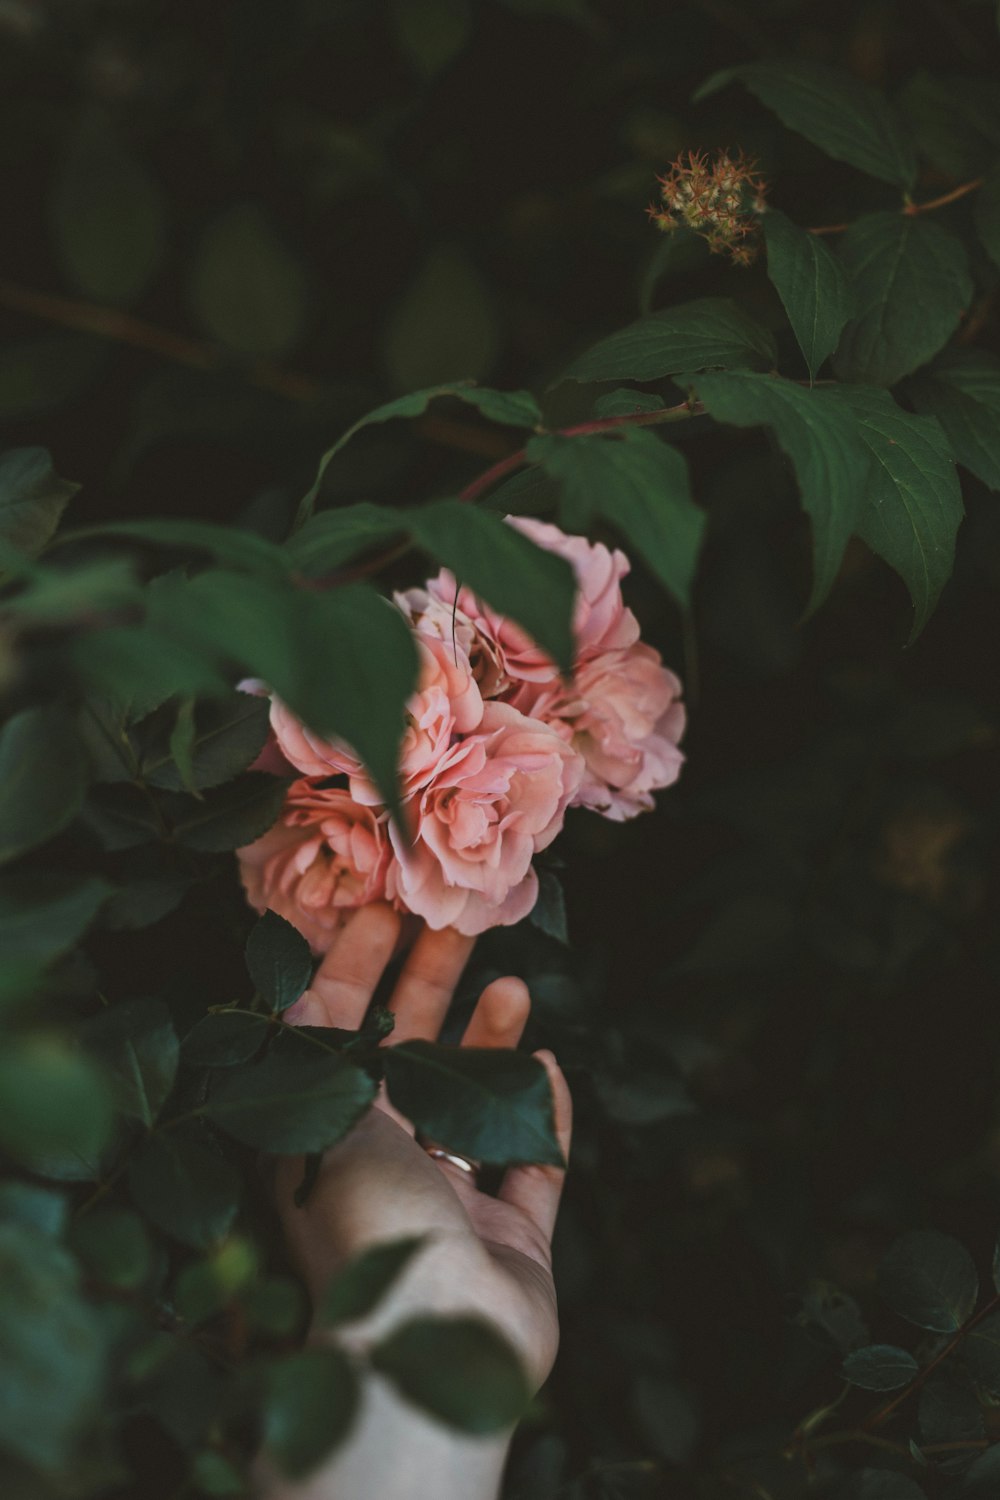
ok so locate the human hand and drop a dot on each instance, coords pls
(484, 1255)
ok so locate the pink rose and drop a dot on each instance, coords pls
(324, 856)
(496, 799)
(447, 702)
(623, 715)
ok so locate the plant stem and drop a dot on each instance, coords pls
(912, 209)
(884, 1412)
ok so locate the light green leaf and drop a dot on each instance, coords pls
(52, 1353)
(812, 285)
(32, 498)
(309, 1407)
(137, 1047)
(491, 1104)
(459, 1369)
(107, 217)
(879, 1367)
(912, 285)
(53, 1103)
(43, 914)
(640, 486)
(185, 1186)
(987, 217)
(508, 570)
(247, 287)
(358, 1289)
(43, 777)
(964, 396)
(709, 332)
(913, 502)
(823, 443)
(279, 961)
(290, 1103)
(446, 325)
(845, 118)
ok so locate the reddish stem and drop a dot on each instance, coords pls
(886, 1411)
(912, 209)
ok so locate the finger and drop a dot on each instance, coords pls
(500, 1015)
(536, 1189)
(424, 992)
(346, 979)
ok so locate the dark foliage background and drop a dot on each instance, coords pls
(778, 1009)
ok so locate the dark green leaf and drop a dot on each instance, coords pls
(712, 331)
(35, 1208)
(549, 912)
(510, 408)
(32, 498)
(53, 1103)
(181, 746)
(880, 1367)
(113, 1245)
(627, 403)
(41, 915)
(138, 1049)
(230, 544)
(215, 1474)
(912, 286)
(667, 1417)
(51, 1355)
(987, 212)
(248, 288)
(229, 816)
(203, 1288)
(949, 1410)
(823, 443)
(310, 1405)
(107, 217)
(40, 373)
(964, 396)
(277, 1305)
(913, 502)
(279, 961)
(930, 1280)
(123, 817)
(459, 1369)
(219, 1041)
(812, 285)
(135, 668)
(491, 1104)
(513, 574)
(883, 1484)
(640, 485)
(43, 777)
(290, 1102)
(845, 118)
(184, 1186)
(143, 900)
(995, 1268)
(333, 537)
(356, 1290)
(982, 1478)
(226, 737)
(981, 1353)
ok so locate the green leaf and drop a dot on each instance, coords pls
(184, 1186)
(230, 816)
(42, 914)
(289, 1102)
(883, 1484)
(812, 285)
(912, 286)
(53, 1103)
(913, 504)
(638, 484)
(995, 1267)
(930, 1280)
(458, 1369)
(845, 118)
(964, 396)
(431, 32)
(226, 737)
(949, 1410)
(32, 498)
(982, 1478)
(35, 1208)
(488, 1103)
(137, 667)
(181, 745)
(508, 570)
(204, 1288)
(987, 217)
(248, 289)
(357, 1290)
(42, 373)
(981, 1353)
(114, 1246)
(309, 1408)
(239, 549)
(667, 1417)
(821, 439)
(215, 1474)
(107, 217)
(334, 537)
(627, 403)
(219, 1041)
(137, 1047)
(708, 332)
(279, 961)
(509, 408)
(445, 327)
(52, 1352)
(880, 1367)
(549, 912)
(43, 777)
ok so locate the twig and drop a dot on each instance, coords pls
(911, 209)
(884, 1412)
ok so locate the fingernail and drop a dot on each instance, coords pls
(307, 1011)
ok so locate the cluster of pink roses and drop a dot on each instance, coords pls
(497, 745)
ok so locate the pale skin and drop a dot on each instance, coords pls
(489, 1256)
